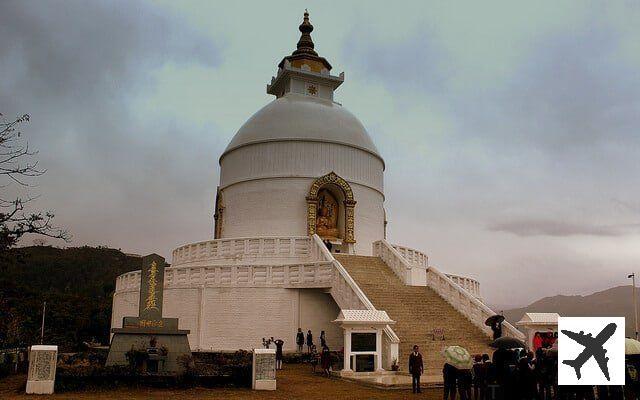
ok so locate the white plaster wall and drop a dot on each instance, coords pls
(238, 318)
(278, 206)
(317, 311)
(296, 158)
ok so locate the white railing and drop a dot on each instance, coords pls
(463, 301)
(456, 295)
(410, 274)
(300, 275)
(263, 250)
(469, 284)
(412, 256)
(347, 294)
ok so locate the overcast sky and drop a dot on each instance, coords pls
(510, 130)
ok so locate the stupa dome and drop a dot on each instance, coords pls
(298, 117)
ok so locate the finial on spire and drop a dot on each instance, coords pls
(305, 44)
(304, 53)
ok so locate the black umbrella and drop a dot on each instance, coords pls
(495, 319)
(506, 342)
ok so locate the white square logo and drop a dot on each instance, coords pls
(591, 351)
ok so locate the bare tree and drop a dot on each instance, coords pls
(18, 167)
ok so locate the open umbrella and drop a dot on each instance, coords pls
(494, 319)
(507, 342)
(631, 346)
(458, 357)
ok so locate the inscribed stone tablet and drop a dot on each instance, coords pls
(265, 366)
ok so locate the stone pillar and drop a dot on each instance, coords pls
(378, 363)
(347, 351)
(349, 221)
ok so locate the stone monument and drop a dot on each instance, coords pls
(149, 333)
(42, 369)
(264, 369)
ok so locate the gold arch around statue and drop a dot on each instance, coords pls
(349, 204)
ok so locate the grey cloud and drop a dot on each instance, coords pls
(419, 63)
(77, 67)
(547, 227)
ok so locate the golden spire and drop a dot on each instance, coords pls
(305, 44)
(304, 53)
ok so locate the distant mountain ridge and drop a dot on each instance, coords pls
(613, 302)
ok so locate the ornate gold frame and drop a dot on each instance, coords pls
(217, 216)
(349, 204)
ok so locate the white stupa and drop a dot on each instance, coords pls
(302, 175)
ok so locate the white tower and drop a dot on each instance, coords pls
(303, 164)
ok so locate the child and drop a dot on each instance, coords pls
(314, 358)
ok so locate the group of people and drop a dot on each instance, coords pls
(512, 374)
(323, 357)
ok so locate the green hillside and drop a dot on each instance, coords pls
(77, 284)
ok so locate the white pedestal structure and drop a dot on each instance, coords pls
(367, 324)
(42, 369)
(263, 376)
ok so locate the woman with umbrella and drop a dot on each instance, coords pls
(495, 322)
(457, 368)
(504, 360)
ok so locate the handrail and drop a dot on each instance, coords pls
(403, 270)
(413, 256)
(393, 338)
(282, 275)
(266, 249)
(483, 311)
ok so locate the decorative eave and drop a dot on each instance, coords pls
(364, 317)
(287, 71)
(306, 57)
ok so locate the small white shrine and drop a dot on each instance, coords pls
(539, 325)
(363, 337)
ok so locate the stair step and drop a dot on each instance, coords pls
(416, 310)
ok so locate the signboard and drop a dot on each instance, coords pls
(363, 341)
(264, 369)
(42, 369)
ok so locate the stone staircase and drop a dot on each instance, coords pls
(417, 310)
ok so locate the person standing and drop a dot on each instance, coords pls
(325, 360)
(279, 343)
(323, 339)
(300, 340)
(449, 376)
(497, 330)
(309, 340)
(464, 383)
(479, 377)
(416, 368)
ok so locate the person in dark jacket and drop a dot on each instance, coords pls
(464, 378)
(416, 368)
(323, 339)
(309, 340)
(479, 377)
(449, 376)
(300, 340)
(279, 343)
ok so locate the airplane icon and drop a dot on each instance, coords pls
(593, 347)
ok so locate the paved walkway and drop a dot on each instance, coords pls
(294, 382)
